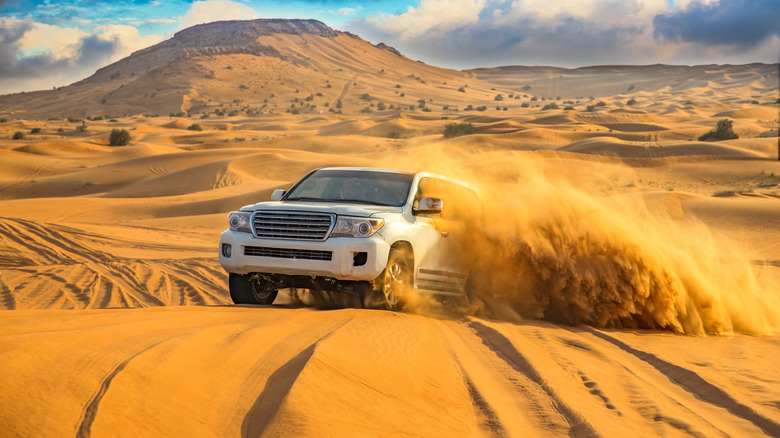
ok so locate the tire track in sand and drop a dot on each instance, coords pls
(503, 348)
(91, 409)
(281, 381)
(696, 385)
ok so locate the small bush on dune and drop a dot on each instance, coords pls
(19, 135)
(195, 127)
(458, 129)
(723, 131)
(119, 137)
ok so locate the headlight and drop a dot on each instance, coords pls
(239, 221)
(356, 227)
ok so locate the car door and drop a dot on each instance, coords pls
(439, 251)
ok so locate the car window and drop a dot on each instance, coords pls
(459, 203)
(358, 186)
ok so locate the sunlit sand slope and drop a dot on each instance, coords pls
(230, 371)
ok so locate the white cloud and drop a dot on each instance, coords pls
(54, 40)
(441, 15)
(344, 11)
(38, 55)
(567, 33)
(126, 40)
(207, 11)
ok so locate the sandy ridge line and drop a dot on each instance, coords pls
(280, 383)
(91, 407)
(696, 385)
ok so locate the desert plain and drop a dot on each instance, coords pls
(629, 276)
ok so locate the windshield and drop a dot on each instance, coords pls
(355, 186)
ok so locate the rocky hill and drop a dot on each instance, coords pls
(259, 65)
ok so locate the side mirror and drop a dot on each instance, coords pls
(277, 194)
(429, 206)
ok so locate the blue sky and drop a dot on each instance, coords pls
(45, 44)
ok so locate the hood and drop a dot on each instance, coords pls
(359, 210)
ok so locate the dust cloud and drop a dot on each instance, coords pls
(545, 249)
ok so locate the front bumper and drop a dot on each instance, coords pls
(350, 258)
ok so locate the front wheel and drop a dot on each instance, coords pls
(395, 282)
(251, 289)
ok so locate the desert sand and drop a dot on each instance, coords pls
(629, 273)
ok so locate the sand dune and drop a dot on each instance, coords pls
(228, 370)
(629, 274)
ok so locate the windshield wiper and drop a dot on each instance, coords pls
(350, 201)
(305, 198)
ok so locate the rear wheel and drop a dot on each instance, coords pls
(396, 280)
(251, 289)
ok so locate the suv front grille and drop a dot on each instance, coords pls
(288, 253)
(294, 225)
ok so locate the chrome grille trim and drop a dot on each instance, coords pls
(288, 253)
(292, 225)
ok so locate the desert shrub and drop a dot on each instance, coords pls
(525, 105)
(366, 110)
(381, 106)
(366, 96)
(393, 134)
(550, 106)
(462, 89)
(195, 127)
(119, 137)
(481, 108)
(19, 135)
(569, 108)
(82, 127)
(631, 102)
(470, 108)
(233, 113)
(35, 131)
(630, 87)
(498, 97)
(458, 129)
(3, 120)
(722, 131)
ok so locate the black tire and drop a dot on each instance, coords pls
(248, 289)
(395, 282)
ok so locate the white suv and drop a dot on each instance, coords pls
(374, 233)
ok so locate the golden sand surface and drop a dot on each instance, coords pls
(629, 271)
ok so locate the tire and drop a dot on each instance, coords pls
(248, 289)
(395, 282)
